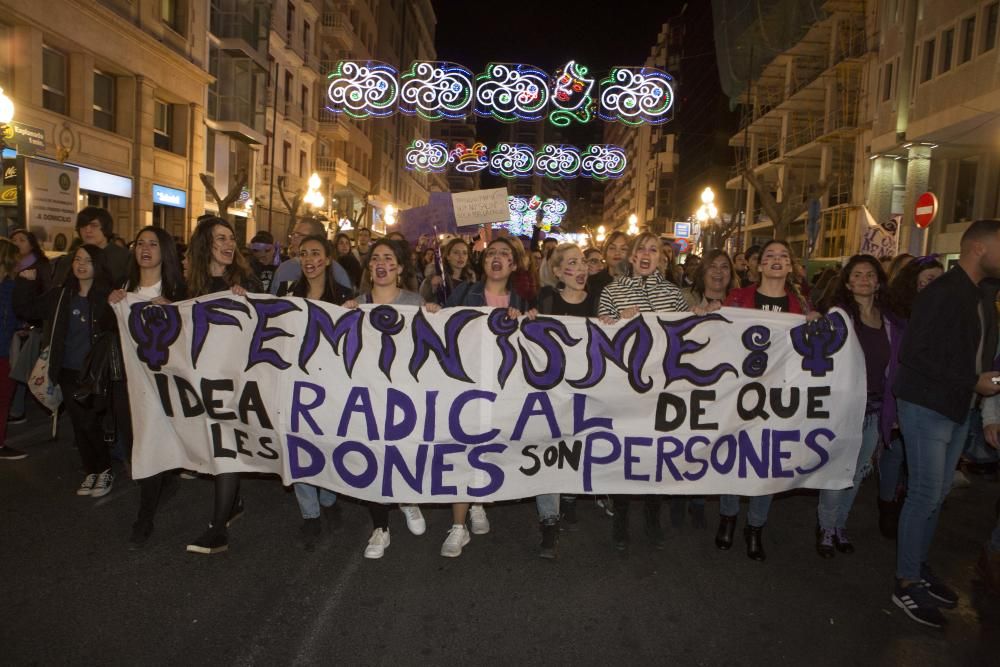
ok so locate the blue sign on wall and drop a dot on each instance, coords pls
(682, 230)
(169, 197)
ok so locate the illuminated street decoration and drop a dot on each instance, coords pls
(469, 159)
(512, 160)
(553, 210)
(558, 161)
(427, 156)
(436, 90)
(571, 95)
(636, 95)
(362, 89)
(510, 93)
(524, 214)
(603, 161)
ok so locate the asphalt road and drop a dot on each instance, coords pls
(74, 593)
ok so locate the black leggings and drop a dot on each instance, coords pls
(88, 431)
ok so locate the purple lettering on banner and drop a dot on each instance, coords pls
(756, 339)
(590, 458)
(503, 327)
(600, 349)
(358, 400)
(580, 420)
(812, 443)
(439, 468)
(748, 454)
(665, 458)
(267, 309)
(723, 467)
(778, 455)
(817, 342)
(448, 353)
(388, 322)
(455, 418)
(346, 333)
(631, 442)
(494, 471)
(297, 446)
(430, 415)
(536, 404)
(154, 328)
(678, 346)
(205, 314)
(689, 457)
(544, 332)
(359, 480)
(301, 408)
(398, 401)
(394, 460)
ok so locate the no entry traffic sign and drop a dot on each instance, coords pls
(925, 210)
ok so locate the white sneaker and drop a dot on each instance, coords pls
(414, 519)
(102, 486)
(88, 485)
(377, 544)
(457, 538)
(477, 518)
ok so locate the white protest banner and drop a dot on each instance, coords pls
(480, 207)
(394, 404)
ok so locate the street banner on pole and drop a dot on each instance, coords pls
(392, 404)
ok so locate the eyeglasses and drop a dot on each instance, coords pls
(595, 261)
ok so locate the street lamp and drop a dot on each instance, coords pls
(633, 224)
(600, 234)
(707, 212)
(390, 215)
(313, 196)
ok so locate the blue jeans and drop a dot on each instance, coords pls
(891, 464)
(933, 446)
(548, 507)
(311, 497)
(757, 512)
(834, 506)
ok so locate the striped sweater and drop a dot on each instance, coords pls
(651, 294)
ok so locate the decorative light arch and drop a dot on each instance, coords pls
(362, 89)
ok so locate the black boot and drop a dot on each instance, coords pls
(619, 526)
(654, 533)
(724, 536)
(550, 540)
(755, 542)
(888, 518)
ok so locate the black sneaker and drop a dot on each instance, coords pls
(310, 531)
(16, 419)
(568, 521)
(141, 530)
(941, 592)
(918, 604)
(212, 541)
(550, 540)
(11, 454)
(236, 512)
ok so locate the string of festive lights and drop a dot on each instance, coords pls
(507, 92)
(524, 214)
(436, 90)
(636, 95)
(603, 161)
(469, 159)
(557, 161)
(512, 160)
(427, 156)
(571, 95)
(363, 89)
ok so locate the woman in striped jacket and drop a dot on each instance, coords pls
(642, 290)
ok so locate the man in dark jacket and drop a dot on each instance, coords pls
(945, 360)
(95, 226)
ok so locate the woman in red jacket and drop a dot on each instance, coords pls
(776, 292)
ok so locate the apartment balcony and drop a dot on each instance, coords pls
(337, 27)
(236, 116)
(333, 124)
(291, 111)
(358, 180)
(238, 33)
(334, 168)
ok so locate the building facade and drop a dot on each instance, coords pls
(134, 124)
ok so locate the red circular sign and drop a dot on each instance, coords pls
(925, 210)
(682, 246)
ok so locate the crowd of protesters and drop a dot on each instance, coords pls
(929, 338)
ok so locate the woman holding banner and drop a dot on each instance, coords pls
(494, 290)
(317, 282)
(457, 270)
(774, 292)
(569, 298)
(861, 292)
(388, 271)
(216, 265)
(643, 290)
(154, 274)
